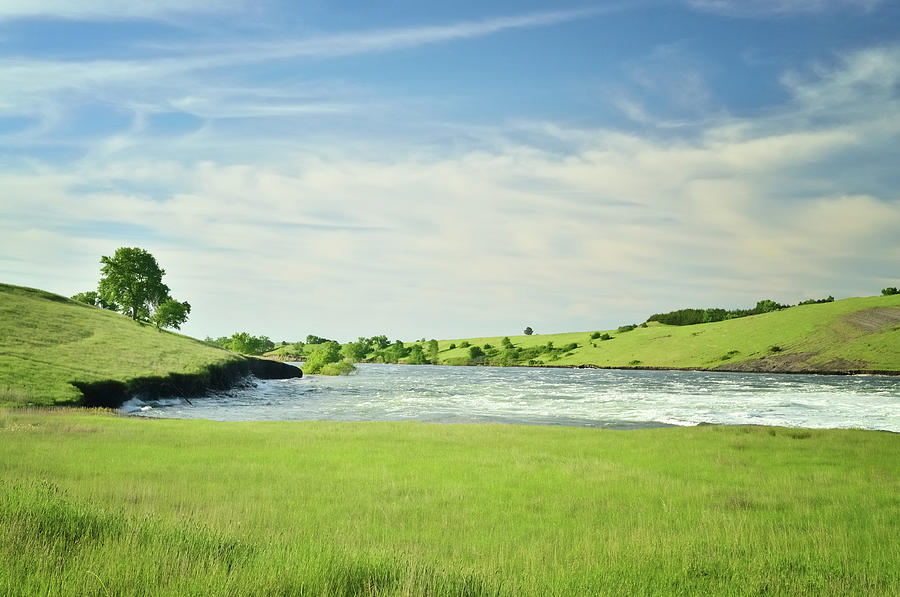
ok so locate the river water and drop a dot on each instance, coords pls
(579, 397)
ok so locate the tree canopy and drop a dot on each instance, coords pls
(132, 278)
(131, 282)
(171, 314)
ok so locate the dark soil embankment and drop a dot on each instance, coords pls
(113, 393)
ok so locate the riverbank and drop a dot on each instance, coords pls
(721, 370)
(57, 351)
(408, 508)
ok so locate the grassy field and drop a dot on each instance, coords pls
(857, 333)
(48, 341)
(94, 504)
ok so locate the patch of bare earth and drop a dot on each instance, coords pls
(873, 320)
(783, 363)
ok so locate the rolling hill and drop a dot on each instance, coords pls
(54, 350)
(850, 335)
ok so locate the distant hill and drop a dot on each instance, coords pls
(57, 351)
(850, 335)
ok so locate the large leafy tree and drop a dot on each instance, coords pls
(132, 278)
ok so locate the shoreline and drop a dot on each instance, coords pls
(841, 372)
(218, 376)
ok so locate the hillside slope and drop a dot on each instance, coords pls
(56, 351)
(857, 334)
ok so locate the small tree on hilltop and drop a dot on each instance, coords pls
(889, 291)
(528, 331)
(132, 278)
(171, 314)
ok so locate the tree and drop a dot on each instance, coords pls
(767, 306)
(171, 314)
(132, 279)
(432, 350)
(323, 354)
(88, 298)
(890, 290)
(379, 342)
(244, 343)
(528, 331)
(355, 351)
(416, 355)
(506, 342)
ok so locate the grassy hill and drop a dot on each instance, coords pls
(847, 335)
(50, 345)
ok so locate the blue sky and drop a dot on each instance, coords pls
(453, 169)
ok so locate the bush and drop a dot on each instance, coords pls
(506, 342)
(626, 328)
(829, 299)
(464, 344)
(488, 347)
(890, 290)
(416, 355)
(244, 343)
(394, 352)
(605, 337)
(595, 335)
(475, 352)
(344, 367)
(452, 346)
(321, 355)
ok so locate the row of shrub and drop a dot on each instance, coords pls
(695, 316)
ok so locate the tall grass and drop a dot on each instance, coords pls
(95, 504)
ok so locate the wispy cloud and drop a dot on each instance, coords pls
(47, 89)
(112, 9)
(384, 40)
(773, 204)
(758, 8)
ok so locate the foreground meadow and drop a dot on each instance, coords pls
(96, 504)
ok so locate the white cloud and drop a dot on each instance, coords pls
(112, 9)
(391, 237)
(758, 8)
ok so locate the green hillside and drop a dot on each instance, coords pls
(847, 335)
(48, 341)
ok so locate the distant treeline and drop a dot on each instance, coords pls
(695, 316)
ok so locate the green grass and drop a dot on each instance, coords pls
(102, 505)
(822, 333)
(48, 341)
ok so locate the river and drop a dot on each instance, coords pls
(579, 397)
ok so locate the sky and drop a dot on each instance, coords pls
(455, 169)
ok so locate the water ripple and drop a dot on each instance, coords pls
(582, 397)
